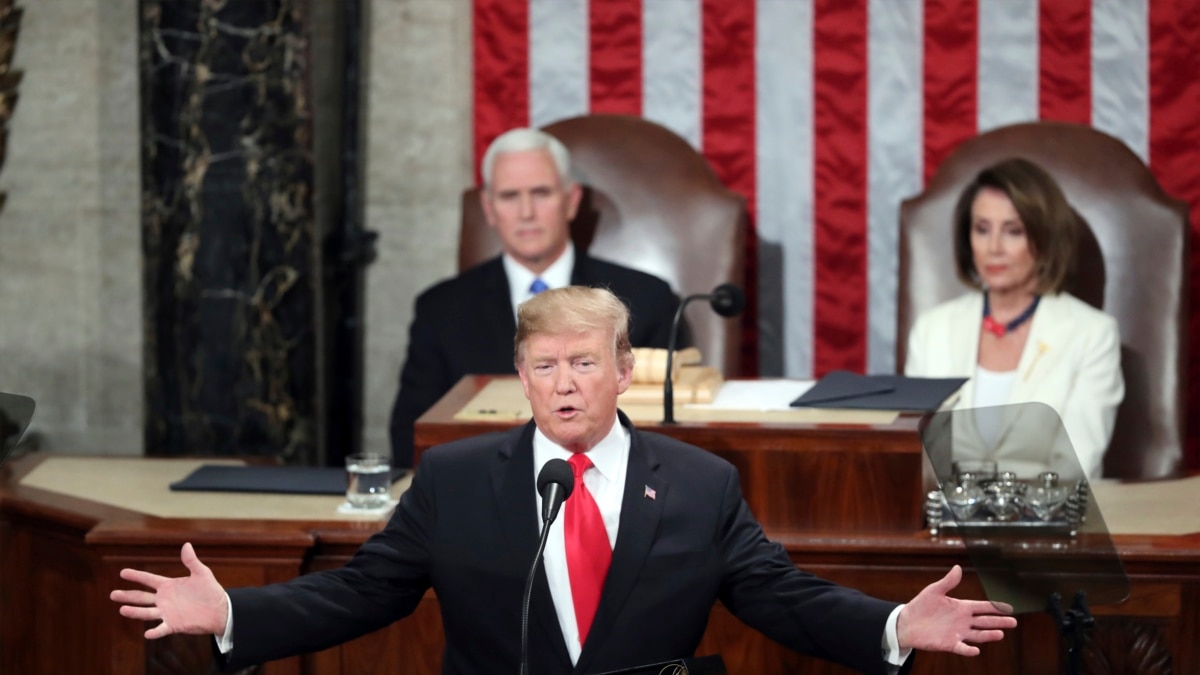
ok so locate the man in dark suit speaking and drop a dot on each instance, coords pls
(654, 532)
(464, 325)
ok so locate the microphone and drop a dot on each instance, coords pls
(554, 483)
(726, 300)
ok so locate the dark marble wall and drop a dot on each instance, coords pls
(231, 260)
(10, 26)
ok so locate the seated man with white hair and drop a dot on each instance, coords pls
(464, 325)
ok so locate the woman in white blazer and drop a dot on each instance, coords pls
(1019, 337)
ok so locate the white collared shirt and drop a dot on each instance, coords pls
(557, 275)
(606, 482)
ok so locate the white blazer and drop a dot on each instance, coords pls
(1071, 362)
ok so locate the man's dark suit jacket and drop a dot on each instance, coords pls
(465, 326)
(469, 528)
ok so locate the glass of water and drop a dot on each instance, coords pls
(368, 481)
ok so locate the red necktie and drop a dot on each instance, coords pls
(588, 552)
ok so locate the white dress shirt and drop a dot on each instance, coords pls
(557, 275)
(606, 481)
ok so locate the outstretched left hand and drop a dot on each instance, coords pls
(934, 621)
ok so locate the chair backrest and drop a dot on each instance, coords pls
(651, 202)
(1132, 264)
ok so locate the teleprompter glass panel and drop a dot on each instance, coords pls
(1011, 486)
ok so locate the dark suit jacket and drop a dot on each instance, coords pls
(465, 326)
(469, 528)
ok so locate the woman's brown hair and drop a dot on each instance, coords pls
(1051, 225)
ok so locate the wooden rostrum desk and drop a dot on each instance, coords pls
(60, 556)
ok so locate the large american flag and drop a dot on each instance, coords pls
(825, 114)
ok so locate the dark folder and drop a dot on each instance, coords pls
(15, 412)
(843, 389)
(313, 480)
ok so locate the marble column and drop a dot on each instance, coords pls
(232, 265)
(10, 25)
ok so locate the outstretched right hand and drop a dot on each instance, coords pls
(194, 605)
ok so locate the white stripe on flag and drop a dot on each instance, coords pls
(558, 60)
(1120, 72)
(673, 93)
(894, 154)
(1008, 63)
(671, 62)
(784, 165)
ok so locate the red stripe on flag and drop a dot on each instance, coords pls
(1174, 137)
(1065, 56)
(501, 86)
(728, 130)
(616, 56)
(840, 70)
(951, 71)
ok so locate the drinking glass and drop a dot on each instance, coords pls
(368, 481)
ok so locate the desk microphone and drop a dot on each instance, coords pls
(554, 483)
(726, 300)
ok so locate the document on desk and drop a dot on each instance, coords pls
(770, 401)
(503, 399)
(759, 394)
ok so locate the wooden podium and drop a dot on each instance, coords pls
(795, 476)
(60, 555)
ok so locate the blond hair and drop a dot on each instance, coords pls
(574, 309)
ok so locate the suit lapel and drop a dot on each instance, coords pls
(966, 348)
(514, 488)
(640, 515)
(1039, 349)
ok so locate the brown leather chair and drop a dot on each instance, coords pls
(650, 202)
(1133, 263)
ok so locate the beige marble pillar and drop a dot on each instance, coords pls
(418, 161)
(70, 298)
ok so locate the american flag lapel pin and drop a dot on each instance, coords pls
(650, 493)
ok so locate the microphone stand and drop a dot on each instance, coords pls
(1073, 624)
(525, 599)
(668, 384)
(555, 482)
(726, 300)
